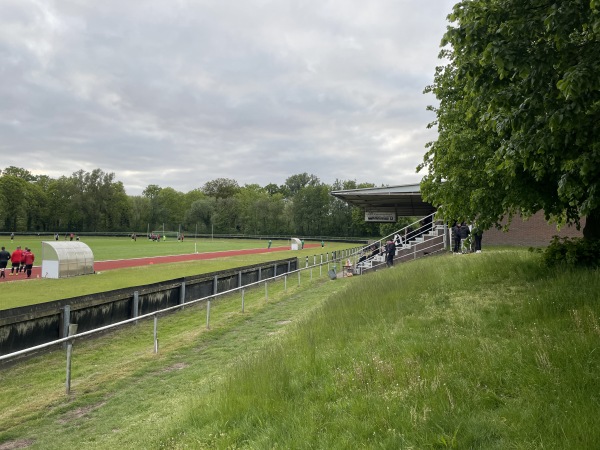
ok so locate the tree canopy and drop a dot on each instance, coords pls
(518, 114)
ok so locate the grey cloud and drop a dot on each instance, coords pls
(179, 93)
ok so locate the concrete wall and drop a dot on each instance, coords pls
(28, 326)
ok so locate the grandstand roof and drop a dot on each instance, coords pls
(404, 200)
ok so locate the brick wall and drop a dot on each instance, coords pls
(535, 232)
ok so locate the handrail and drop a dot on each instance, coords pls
(338, 258)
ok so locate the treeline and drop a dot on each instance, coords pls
(96, 202)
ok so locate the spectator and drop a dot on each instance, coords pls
(28, 258)
(456, 237)
(15, 260)
(478, 234)
(4, 258)
(22, 265)
(390, 248)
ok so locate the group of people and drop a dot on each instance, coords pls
(461, 233)
(21, 261)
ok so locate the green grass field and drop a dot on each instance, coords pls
(27, 292)
(487, 351)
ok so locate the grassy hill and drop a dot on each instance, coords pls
(469, 351)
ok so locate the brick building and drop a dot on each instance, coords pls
(535, 232)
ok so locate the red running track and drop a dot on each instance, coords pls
(100, 266)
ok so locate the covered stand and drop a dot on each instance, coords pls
(66, 259)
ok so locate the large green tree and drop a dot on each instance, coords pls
(518, 114)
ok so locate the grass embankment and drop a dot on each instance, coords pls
(22, 292)
(472, 351)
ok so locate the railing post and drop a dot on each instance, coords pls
(208, 315)
(182, 293)
(266, 292)
(242, 300)
(136, 305)
(66, 316)
(69, 353)
(155, 333)
(285, 282)
(259, 273)
(298, 278)
(240, 279)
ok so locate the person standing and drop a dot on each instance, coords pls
(28, 258)
(390, 248)
(12, 236)
(478, 234)
(4, 258)
(456, 237)
(22, 265)
(302, 243)
(15, 260)
(270, 243)
(322, 243)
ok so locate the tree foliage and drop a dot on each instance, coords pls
(96, 202)
(518, 114)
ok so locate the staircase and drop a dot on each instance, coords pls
(421, 238)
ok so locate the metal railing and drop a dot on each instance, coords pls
(337, 257)
(415, 236)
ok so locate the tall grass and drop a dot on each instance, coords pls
(488, 351)
(479, 351)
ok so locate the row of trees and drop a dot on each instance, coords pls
(96, 202)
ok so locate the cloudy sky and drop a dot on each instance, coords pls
(177, 93)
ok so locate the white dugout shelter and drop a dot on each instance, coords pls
(66, 259)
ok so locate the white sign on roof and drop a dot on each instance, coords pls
(380, 216)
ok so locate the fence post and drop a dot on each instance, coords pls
(66, 319)
(243, 300)
(259, 273)
(266, 292)
(240, 279)
(182, 293)
(285, 282)
(155, 333)
(298, 278)
(69, 352)
(136, 304)
(275, 270)
(208, 315)
(306, 260)
(215, 288)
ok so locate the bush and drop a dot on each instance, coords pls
(575, 252)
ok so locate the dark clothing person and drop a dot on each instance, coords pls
(4, 258)
(478, 235)
(456, 237)
(390, 248)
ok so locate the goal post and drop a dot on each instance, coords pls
(165, 233)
